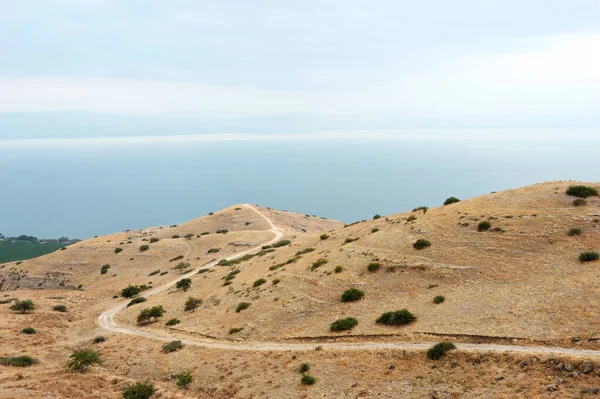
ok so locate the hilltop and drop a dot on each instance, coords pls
(502, 268)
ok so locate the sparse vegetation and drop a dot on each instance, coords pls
(373, 267)
(588, 256)
(377, 216)
(451, 200)
(484, 226)
(176, 258)
(213, 250)
(181, 266)
(235, 330)
(144, 248)
(421, 208)
(352, 295)
(343, 324)
(421, 244)
(82, 359)
(184, 284)
(172, 346)
(374, 230)
(188, 236)
(281, 243)
(338, 269)
(582, 191)
(396, 318)
(439, 350)
(23, 306)
(222, 231)
(130, 291)
(60, 308)
(242, 306)
(579, 202)
(349, 240)
(574, 232)
(149, 314)
(308, 379)
(17, 361)
(154, 273)
(192, 304)
(172, 322)
(154, 239)
(175, 236)
(259, 282)
(439, 299)
(139, 390)
(276, 281)
(318, 263)
(136, 301)
(304, 251)
(99, 339)
(324, 236)
(104, 269)
(28, 330)
(184, 379)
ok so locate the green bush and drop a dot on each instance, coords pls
(204, 233)
(588, 256)
(136, 300)
(308, 379)
(130, 291)
(99, 339)
(259, 282)
(172, 346)
(104, 269)
(60, 308)
(304, 251)
(154, 273)
(184, 379)
(175, 236)
(139, 390)
(582, 191)
(396, 318)
(484, 226)
(241, 306)
(439, 299)
(421, 243)
(182, 266)
(451, 200)
(374, 230)
(343, 324)
(352, 295)
(377, 216)
(192, 304)
(154, 239)
(144, 248)
(172, 322)
(23, 306)
(117, 250)
(276, 281)
(184, 284)
(28, 330)
(176, 258)
(324, 236)
(579, 202)
(82, 359)
(150, 314)
(281, 243)
(411, 218)
(188, 236)
(439, 350)
(17, 361)
(319, 262)
(373, 267)
(421, 208)
(574, 232)
(235, 330)
(213, 250)
(338, 269)
(304, 367)
(222, 231)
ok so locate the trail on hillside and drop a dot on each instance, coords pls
(107, 322)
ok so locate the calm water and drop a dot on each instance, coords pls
(82, 188)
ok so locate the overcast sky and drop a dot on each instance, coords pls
(494, 60)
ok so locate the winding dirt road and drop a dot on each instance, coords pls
(107, 322)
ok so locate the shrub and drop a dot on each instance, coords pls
(421, 208)
(259, 282)
(579, 202)
(396, 318)
(582, 191)
(343, 324)
(182, 266)
(439, 350)
(338, 269)
(352, 295)
(377, 216)
(304, 367)
(172, 322)
(304, 251)
(136, 300)
(349, 240)
(319, 262)
(175, 236)
(373, 267)
(23, 306)
(188, 236)
(374, 230)
(139, 390)
(154, 273)
(411, 218)
(130, 291)
(574, 232)
(60, 308)
(484, 226)
(588, 256)
(213, 250)
(104, 269)
(241, 306)
(172, 346)
(281, 243)
(184, 284)
(144, 248)
(421, 243)
(99, 339)
(17, 361)
(176, 258)
(82, 359)
(451, 200)
(324, 236)
(184, 379)
(28, 330)
(204, 233)
(439, 299)
(276, 281)
(154, 239)
(308, 379)
(235, 330)
(222, 231)
(192, 304)
(117, 250)
(149, 314)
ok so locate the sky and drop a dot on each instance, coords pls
(486, 61)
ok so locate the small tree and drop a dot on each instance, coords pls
(192, 303)
(139, 390)
(184, 284)
(184, 379)
(81, 360)
(150, 314)
(23, 306)
(130, 291)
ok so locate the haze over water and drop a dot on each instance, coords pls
(87, 187)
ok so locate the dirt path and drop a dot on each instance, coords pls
(107, 322)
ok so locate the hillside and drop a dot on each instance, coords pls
(519, 282)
